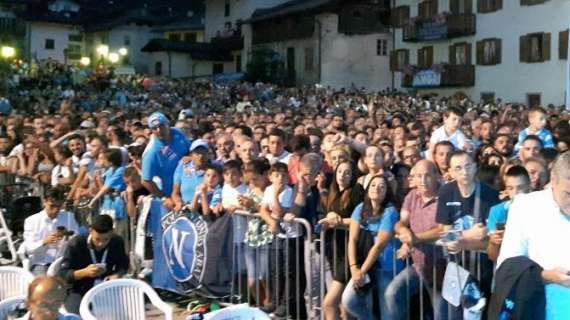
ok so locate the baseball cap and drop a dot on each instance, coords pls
(186, 113)
(198, 143)
(156, 119)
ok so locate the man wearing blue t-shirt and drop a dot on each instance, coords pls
(161, 156)
(189, 175)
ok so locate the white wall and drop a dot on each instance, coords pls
(352, 59)
(139, 36)
(239, 9)
(511, 80)
(182, 65)
(40, 31)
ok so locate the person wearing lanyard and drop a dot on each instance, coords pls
(89, 260)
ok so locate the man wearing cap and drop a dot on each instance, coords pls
(189, 175)
(160, 158)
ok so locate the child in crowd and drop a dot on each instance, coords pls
(232, 190)
(537, 124)
(208, 197)
(516, 181)
(258, 238)
(62, 173)
(277, 200)
(450, 131)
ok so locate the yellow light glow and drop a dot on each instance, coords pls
(113, 57)
(103, 50)
(8, 52)
(85, 61)
(123, 51)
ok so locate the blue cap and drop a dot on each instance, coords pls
(156, 119)
(199, 143)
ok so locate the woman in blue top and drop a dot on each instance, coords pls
(372, 223)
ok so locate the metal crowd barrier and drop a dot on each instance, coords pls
(284, 281)
(415, 304)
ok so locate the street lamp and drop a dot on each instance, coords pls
(7, 52)
(123, 51)
(113, 57)
(103, 50)
(85, 61)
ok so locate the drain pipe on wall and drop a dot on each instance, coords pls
(320, 37)
(393, 42)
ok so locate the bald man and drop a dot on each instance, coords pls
(417, 229)
(45, 298)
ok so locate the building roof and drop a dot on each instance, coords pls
(71, 18)
(197, 50)
(194, 23)
(291, 7)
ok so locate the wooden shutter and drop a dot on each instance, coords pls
(393, 60)
(524, 49)
(407, 57)
(468, 6)
(433, 8)
(452, 54)
(546, 46)
(422, 9)
(563, 45)
(498, 5)
(429, 58)
(454, 6)
(467, 53)
(421, 60)
(480, 6)
(498, 51)
(525, 2)
(480, 54)
(404, 15)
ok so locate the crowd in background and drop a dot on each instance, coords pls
(399, 171)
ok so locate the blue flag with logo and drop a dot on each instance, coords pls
(190, 252)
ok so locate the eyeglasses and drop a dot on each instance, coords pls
(467, 167)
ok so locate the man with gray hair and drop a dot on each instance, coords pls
(417, 229)
(538, 227)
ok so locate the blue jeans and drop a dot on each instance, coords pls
(396, 295)
(360, 305)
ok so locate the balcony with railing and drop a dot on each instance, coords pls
(442, 75)
(439, 27)
(230, 40)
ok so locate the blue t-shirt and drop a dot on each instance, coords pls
(386, 223)
(543, 134)
(214, 197)
(557, 306)
(160, 159)
(113, 178)
(498, 213)
(188, 179)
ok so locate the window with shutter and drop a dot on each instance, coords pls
(452, 55)
(545, 46)
(498, 51)
(524, 49)
(563, 45)
(461, 6)
(486, 6)
(479, 54)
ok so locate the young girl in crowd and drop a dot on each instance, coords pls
(62, 173)
(338, 204)
(370, 249)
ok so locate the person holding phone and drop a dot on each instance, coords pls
(90, 259)
(43, 240)
(517, 181)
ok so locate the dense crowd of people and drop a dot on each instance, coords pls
(422, 178)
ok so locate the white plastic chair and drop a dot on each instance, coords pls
(8, 305)
(238, 312)
(54, 267)
(6, 236)
(14, 282)
(120, 299)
